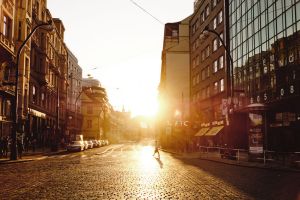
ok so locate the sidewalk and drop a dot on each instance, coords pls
(30, 155)
(242, 163)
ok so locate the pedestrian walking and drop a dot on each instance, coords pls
(20, 148)
(5, 147)
(1, 147)
(26, 144)
(33, 143)
(156, 149)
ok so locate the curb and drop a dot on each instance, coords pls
(251, 166)
(172, 152)
(15, 161)
(235, 164)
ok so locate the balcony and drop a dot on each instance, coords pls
(9, 5)
(7, 44)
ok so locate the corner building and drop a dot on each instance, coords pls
(209, 80)
(265, 47)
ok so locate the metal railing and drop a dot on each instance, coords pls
(266, 157)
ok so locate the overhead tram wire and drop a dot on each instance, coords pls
(148, 13)
(145, 11)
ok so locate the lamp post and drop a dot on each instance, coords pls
(205, 32)
(77, 98)
(13, 154)
(229, 74)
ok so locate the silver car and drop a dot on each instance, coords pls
(90, 144)
(75, 146)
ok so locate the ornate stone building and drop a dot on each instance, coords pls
(7, 65)
(48, 80)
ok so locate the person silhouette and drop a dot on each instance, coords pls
(156, 149)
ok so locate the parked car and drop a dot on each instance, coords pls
(102, 142)
(96, 143)
(86, 145)
(90, 144)
(75, 146)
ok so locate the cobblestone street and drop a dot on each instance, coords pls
(129, 171)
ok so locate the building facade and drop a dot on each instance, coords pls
(94, 108)
(48, 80)
(174, 92)
(7, 64)
(265, 47)
(209, 73)
(73, 117)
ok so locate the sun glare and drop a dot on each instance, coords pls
(147, 162)
(147, 108)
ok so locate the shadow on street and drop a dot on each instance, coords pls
(161, 165)
(256, 182)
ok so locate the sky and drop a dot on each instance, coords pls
(120, 44)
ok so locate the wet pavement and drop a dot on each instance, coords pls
(129, 171)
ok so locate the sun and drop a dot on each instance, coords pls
(143, 107)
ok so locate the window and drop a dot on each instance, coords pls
(197, 43)
(89, 110)
(203, 55)
(27, 66)
(202, 16)
(207, 50)
(89, 123)
(215, 66)
(194, 81)
(174, 33)
(198, 78)
(221, 62)
(207, 91)
(203, 74)
(215, 44)
(207, 71)
(214, 3)
(222, 37)
(203, 93)
(194, 63)
(215, 23)
(34, 96)
(7, 26)
(216, 85)
(197, 60)
(207, 11)
(220, 15)
(222, 85)
(20, 31)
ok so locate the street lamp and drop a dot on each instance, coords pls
(205, 32)
(77, 98)
(49, 27)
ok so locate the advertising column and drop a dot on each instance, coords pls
(256, 131)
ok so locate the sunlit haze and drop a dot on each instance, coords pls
(120, 44)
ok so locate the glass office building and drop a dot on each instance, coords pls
(265, 46)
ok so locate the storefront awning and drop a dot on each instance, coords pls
(37, 113)
(214, 131)
(201, 132)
